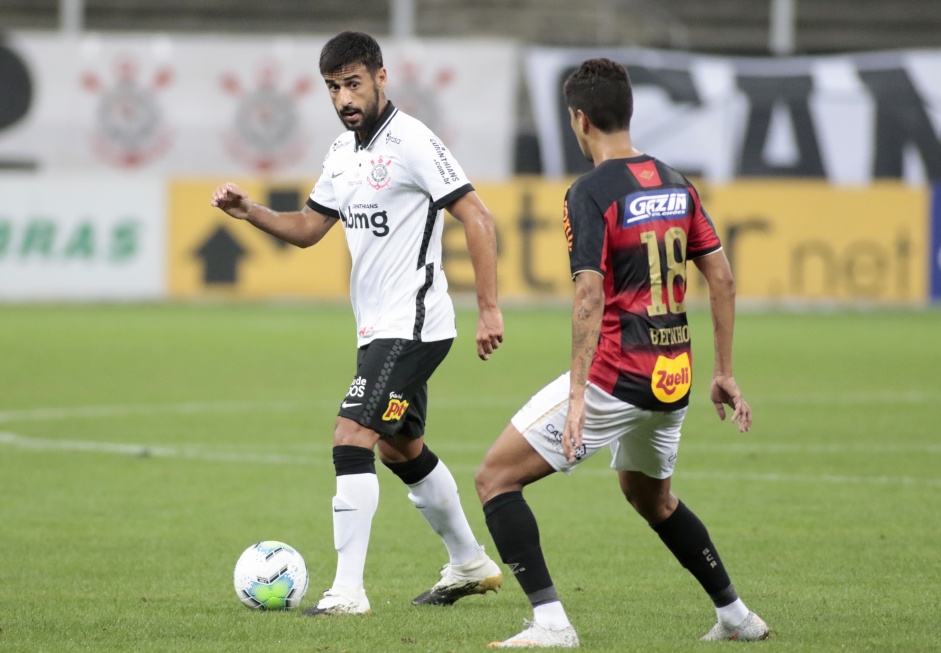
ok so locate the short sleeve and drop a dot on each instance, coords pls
(322, 198)
(434, 169)
(585, 231)
(702, 238)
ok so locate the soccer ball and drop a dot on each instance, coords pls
(271, 576)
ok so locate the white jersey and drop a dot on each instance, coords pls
(389, 191)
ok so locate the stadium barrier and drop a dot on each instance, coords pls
(788, 241)
(123, 238)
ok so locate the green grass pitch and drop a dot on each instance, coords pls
(143, 447)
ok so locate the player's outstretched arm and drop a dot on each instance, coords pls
(724, 390)
(482, 246)
(301, 228)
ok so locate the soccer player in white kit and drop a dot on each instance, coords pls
(388, 179)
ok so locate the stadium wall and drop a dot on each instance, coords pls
(108, 238)
(817, 171)
(788, 241)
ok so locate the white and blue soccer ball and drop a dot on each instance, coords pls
(271, 576)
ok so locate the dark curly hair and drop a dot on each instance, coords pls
(348, 49)
(601, 88)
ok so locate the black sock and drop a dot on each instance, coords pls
(687, 538)
(413, 471)
(348, 459)
(513, 528)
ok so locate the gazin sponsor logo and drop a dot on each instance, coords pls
(655, 205)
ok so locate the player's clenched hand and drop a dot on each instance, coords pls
(233, 200)
(725, 392)
(572, 431)
(489, 332)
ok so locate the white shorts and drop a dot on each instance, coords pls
(641, 440)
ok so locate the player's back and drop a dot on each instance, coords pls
(636, 222)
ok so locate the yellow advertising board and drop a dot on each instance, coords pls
(213, 254)
(787, 241)
(532, 255)
(811, 241)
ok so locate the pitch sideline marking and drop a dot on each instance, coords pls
(44, 414)
(146, 451)
(185, 408)
(192, 408)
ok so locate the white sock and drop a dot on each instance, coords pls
(551, 615)
(353, 509)
(733, 614)
(436, 497)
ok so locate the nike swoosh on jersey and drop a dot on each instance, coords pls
(346, 405)
(334, 175)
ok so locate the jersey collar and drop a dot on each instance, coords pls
(387, 114)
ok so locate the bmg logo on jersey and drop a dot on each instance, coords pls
(655, 205)
(357, 216)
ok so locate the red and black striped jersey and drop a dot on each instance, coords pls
(636, 222)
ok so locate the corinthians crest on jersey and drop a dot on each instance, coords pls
(389, 192)
(379, 176)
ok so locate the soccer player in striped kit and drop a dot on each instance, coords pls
(631, 223)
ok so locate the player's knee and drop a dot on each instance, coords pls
(493, 480)
(346, 432)
(646, 509)
(483, 481)
(654, 508)
(632, 498)
(409, 470)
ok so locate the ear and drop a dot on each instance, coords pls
(381, 77)
(582, 121)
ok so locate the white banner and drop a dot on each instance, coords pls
(850, 119)
(82, 238)
(234, 105)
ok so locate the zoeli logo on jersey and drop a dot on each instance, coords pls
(671, 378)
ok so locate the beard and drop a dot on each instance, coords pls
(368, 115)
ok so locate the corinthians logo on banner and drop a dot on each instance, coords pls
(266, 133)
(421, 99)
(130, 127)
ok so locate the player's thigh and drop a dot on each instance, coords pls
(389, 393)
(542, 421)
(650, 443)
(509, 465)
